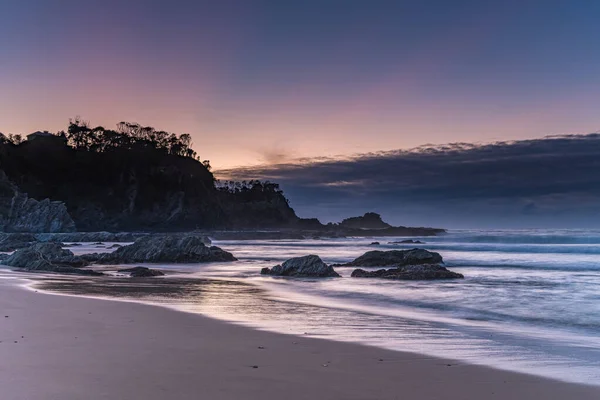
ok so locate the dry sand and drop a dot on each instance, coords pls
(60, 347)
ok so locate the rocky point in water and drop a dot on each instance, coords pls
(378, 258)
(164, 248)
(141, 272)
(414, 264)
(370, 220)
(408, 241)
(307, 266)
(49, 257)
(410, 272)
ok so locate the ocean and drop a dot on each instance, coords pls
(530, 300)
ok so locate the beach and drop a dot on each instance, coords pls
(66, 347)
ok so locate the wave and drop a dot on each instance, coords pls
(504, 247)
(571, 236)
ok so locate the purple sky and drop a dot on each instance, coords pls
(268, 81)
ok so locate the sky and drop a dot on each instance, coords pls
(267, 83)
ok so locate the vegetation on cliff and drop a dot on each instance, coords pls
(135, 178)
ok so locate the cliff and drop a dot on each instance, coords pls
(137, 187)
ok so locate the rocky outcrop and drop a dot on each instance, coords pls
(49, 257)
(414, 264)
(378, 258)
(14, 241)
(370, 220)
(91, 237)
(19, 213)
(141, 272)
(164, 249)
(410, 272)
(307, 266)
(408, 241)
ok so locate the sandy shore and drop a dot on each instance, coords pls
(60, 347)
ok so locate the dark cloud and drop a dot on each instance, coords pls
(554, 181)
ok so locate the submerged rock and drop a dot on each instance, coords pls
(163, 248)
(410, 272)
(377, 258)
(375, 244)
(48, 257)
(141, 272)
(408, 241)
(307, 266)
(14, 241)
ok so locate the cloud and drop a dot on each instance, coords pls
(511, 183)
(274, 156)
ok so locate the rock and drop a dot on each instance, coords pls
(114, 246)
(14, 241)
(92, 257)
(48, 257)
(377, 258)
(374, 244)
(370, 220)
(307, 266)
(90, 237)
(142, 272)
(408, 241)
(410, 272)
(19, 213)
(164, 248)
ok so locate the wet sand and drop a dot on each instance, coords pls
(63, 347)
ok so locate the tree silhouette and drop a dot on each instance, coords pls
(128, 135)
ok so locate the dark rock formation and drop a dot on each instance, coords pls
(49, 257)
(14, 241)
(92, 237)
(141, 272)
(374, 244)
(307, 266)
(408, 241)
(378, 258)
(19, 213)
(410, 272)
(163, 248)
(368, 221)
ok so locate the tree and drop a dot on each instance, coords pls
(128, 135)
